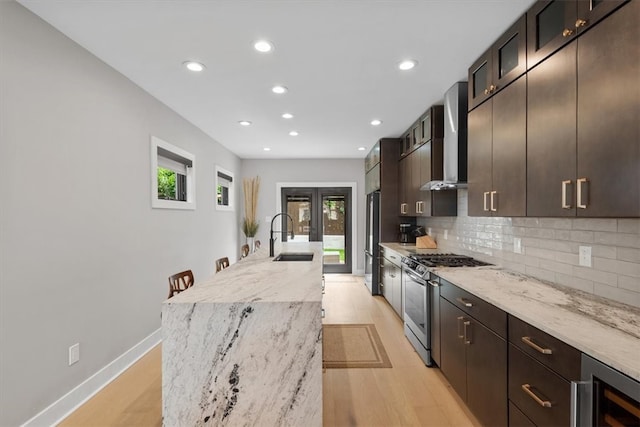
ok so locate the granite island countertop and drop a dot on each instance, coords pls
(244, 346)
(601, 328)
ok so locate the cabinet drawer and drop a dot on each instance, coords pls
(490, 315)
(517, 418)
(550, 351)
(541, 394)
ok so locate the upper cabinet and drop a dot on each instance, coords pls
(562, 139)
(501, 64)
(583, 158)
(497, 150)
(554, 23)
(424, 163)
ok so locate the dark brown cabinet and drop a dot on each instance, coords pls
(424, 164)
(497, 150)
(541, 368)
(583, 138)
(553, 23)
(474, 360)
(502, 63)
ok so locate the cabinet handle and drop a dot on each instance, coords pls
(467, 336)
(567, 32)
(493, 208)
(492, 88)
(528, 341)
(565, 205)
(418, 207)
(460, 320)
(392, 256)
(486, 91)
(579, 203)
(464, 302)
(581, 23)
(544, 403)
(484, 200)
(322, 313)
(434, 284)
(403, 208)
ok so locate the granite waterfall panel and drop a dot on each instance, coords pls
(244, 363)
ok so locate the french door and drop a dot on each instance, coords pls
(322, 214)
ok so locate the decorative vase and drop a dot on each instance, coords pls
(251, 241)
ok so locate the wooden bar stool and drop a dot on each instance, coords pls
(180, 282)
(221, 264)
(244, 251)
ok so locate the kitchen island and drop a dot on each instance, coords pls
(244, 347)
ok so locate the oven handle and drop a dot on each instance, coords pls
(415, 277)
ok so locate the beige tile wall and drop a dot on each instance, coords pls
(550, 248)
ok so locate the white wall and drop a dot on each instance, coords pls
(83, 256)
(272, 172)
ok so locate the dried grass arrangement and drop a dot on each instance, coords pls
(251, 187)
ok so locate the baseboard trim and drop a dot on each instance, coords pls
(61, 408)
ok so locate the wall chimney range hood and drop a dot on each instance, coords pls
(455, 140)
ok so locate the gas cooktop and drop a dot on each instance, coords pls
(446, 260)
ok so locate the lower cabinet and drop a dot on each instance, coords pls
(474, 360)
(541, 369)
(391, 282)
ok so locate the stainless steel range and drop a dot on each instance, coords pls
(421, 293)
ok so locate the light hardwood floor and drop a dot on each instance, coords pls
(409, 394)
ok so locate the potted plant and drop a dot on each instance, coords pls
(251, 187)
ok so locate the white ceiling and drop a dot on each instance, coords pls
(337, 57)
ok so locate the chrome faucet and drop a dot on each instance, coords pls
(271, 239)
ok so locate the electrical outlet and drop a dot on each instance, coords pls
(517, 245)
(585, 256)
(446, 234)
(74, 353)
(429, 231)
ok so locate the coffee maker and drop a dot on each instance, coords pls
(405, 234)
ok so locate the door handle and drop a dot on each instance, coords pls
(467, 332)
(460, 333)
(536, 347)
(565, 205)
(464, 302)
(579, 203)
(484, 201)
(544, 403)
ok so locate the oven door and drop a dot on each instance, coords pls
(416, 315)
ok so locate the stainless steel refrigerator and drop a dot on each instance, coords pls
(371, 248)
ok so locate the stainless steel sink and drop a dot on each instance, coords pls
(294, 256)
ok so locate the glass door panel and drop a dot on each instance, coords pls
(333, 229)
(299, 207)
(322, 215)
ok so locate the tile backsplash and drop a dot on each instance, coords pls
(550, 248)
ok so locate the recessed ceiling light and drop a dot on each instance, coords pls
(407, 64)
(287, 116)
(293, 133)
(245, 123)
(279, 89)
(376, 122)
(361, 148)
(263, 46)
(193, 66)
(267, 149)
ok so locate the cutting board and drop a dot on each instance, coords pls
(425, 242)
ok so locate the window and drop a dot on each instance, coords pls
(224, 189)
(172, 176)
